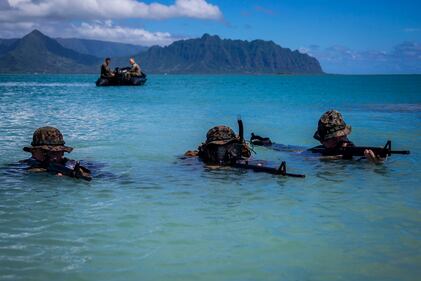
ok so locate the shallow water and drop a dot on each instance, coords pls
(150, 216)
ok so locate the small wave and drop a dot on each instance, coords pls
(403, 107)
(17, 235)
(43, 84)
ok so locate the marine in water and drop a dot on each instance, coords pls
(221, 148)
(332, 132)
(47, 155)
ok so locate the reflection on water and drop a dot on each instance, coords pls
(147, 209)
(17, 85)
(392, 107)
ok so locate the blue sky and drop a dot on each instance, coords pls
(356, 24)
(346, 36)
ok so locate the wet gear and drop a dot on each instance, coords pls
(71, 168)
(331, 125)
(48, 138)
(223, 147)
(67, 167)
(258, 140)
(220, 135)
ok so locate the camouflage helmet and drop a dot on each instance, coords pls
(48, 138)
(331, 125)
(220, 135)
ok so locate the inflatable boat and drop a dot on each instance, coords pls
(122, 79)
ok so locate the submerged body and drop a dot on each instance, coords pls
(332, 132)
(223, 148)
(47, 150)
(346, 220)
(65, 167)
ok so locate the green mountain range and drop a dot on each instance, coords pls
(38, 53)
(211, 54)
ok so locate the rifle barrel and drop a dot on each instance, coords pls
(281, 171)
(295, 175)
(358, 151)
(400, 152)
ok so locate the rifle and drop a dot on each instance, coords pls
(72, 169)
(349, 152)
(281, 170)
(260, 141)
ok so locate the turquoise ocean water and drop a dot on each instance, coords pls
(151, 216)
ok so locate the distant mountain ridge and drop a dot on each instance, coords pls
(39, 53)
(6, 45)
(100, 48)
(36, 52)
(211, 54)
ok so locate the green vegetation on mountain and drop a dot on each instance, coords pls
(211, 54)
(37, 53)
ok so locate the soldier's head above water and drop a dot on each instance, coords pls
(47, 149)
(332, 129)
(223, 147)
(333, 132)
(48, 145)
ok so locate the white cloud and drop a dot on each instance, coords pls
(99, 30)
(109, 32)
(412, 29)
(24, 10)
(92, 18)
(13, 30)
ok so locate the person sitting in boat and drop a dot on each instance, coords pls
(333, 132)
(135, 70)
(222, 147)
(105, 69)
(47, 149)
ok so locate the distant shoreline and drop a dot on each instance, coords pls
(226, 74)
